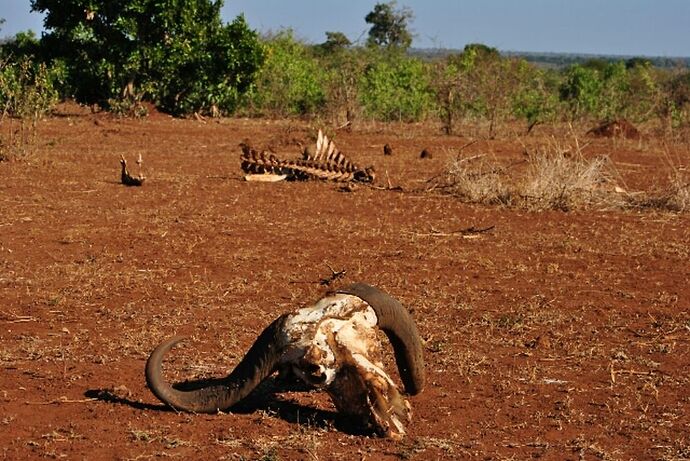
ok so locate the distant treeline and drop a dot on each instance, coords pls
(126, 56)
(561, 60)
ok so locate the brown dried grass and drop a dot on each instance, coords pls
(557, 176)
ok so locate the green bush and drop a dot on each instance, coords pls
(291, 82)
(536, 100)
(396, 87)
(27, 89)
(344, 69)
(581, 89)
(177, 53)
(608, 91)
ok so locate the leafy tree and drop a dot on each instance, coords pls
(177, 53)
(291, 80)
(581, 89)
(23, 45)
(606, 90)
(536, 100)
(389, 26)
(479, 83)
(344, 70)
(335, 41)
(27, 89)
(396, 88)
(481, 52)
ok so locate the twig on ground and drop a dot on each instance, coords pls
(14, 318)
(62, 399)
(335, 275)
(468, 232)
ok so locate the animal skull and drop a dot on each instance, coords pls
(332, 345)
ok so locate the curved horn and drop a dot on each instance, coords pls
(259, 363)
(401, 330)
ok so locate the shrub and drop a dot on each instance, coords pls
(536, 101)
(561, 182)
(395, 87)
(581, 89)
(554, 179)
(344, 69)
(177, 53)
(27, 89)
(291, 81)
(27, 92)
(480, 84)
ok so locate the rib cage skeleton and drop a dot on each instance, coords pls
(325, 162)
(331, 345)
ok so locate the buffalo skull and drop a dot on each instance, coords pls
(332, 345)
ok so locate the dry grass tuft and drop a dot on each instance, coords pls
(554, 178)
(475, 180)
(674, 196)
(565, 182)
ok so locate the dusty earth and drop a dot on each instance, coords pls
(561, 336)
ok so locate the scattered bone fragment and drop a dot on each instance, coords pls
(127, 178)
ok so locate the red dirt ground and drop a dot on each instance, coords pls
(561, 336)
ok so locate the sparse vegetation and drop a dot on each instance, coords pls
(28, 91)
(554, 177)
(546, 323)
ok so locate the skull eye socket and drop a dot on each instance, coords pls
(312, 368)
(319, 378)
(312, 373)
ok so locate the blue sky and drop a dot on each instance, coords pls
(626, 27)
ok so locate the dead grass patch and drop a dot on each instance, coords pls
(558, 181)
(673, 196)
(558, 177)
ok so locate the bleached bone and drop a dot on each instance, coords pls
(126, 178)
(331, 345)
(326, 163)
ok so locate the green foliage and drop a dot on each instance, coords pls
(335, 42)
(291, 80)
(27, 89)
(21, 46)
(207, 70)
(396, 88)
(581, 89)
(344, 70)
(611, 90)
(389, 26)
(27, 92)
(480, 52)
(643, 98)
(536, 100)
(678, 89)
(177, 53)
(674, 108)
(479, 84)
